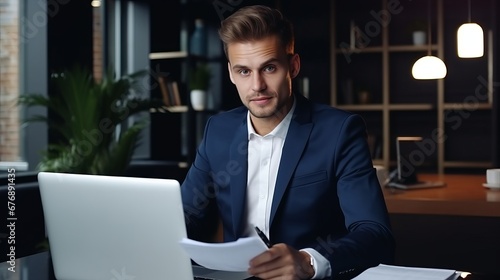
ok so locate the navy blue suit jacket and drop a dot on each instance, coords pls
(327, 196)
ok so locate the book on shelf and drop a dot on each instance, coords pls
(174, 90)
(169, 91)
(164, 90)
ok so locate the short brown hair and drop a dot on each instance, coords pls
(254, 23)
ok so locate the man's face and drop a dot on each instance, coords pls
(262, 73)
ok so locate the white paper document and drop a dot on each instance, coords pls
(390, 272)
(229, 256)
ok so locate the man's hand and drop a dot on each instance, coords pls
(282, 262)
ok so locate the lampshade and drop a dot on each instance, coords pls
(428, 67)
(470, 40)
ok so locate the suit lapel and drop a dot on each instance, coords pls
(296, 140)
(238, 153)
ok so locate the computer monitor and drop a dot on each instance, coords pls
(411, 158)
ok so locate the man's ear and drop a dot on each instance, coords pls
(230, 72)
(294, 65)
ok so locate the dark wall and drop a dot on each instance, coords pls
(69, 43)
(70, 36)
(312, 42)
(496, 127)
(496, 93)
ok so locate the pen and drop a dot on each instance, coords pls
(263, 237)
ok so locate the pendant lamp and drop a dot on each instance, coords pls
(429, 67)
(470, 39)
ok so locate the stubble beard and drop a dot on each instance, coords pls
(267, 113)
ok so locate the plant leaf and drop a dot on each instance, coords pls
(86, 114)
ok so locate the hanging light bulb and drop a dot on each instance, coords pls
(470, 39)
(429, 67)
(95, 3)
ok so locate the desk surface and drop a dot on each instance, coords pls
(37, 267)
(463, 195)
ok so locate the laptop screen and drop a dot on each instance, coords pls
(105, 227)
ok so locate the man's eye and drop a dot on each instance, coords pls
(270, 68)
(244, 72)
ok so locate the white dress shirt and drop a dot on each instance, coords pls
(264, 156)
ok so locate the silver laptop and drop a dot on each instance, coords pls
(115, 228)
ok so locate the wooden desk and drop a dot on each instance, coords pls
(463, 195)
(456, 226)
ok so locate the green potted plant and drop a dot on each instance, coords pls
(199, 81)
(87, 117)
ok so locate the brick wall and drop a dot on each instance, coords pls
(97, 45)
(9, 81)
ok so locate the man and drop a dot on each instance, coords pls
(299, 171)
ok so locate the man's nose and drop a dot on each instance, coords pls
(258, 83)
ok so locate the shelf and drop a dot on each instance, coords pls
(466, 106)
(468, 164)
(411, 107)
(168, 55)
(361, 107)
(377, 49)
(411, 48)
(393, 48)
(402, 105)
